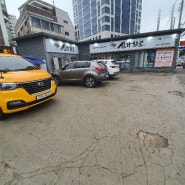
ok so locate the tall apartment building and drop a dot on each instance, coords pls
(12, 21)
(5, 32)
(39, 16)
(97, 19)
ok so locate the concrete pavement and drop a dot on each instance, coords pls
(127, 131)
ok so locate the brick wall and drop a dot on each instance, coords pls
(42, 12)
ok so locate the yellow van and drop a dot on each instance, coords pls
(22, 84)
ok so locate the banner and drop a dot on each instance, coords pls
(134, 44)
(164, 58)
(56, 46)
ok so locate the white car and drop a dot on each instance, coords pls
(112, 66)
(180, 62)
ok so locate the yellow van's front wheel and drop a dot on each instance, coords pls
(2, 115)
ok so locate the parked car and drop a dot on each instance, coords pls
(180, 62)
(87, 72)
(22, 84)
(113, 67)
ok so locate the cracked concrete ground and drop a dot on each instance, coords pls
(127, 131)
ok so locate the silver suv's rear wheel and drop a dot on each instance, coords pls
(90, 81)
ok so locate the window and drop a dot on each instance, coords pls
(105, 19)
(45, 8)
(112, 7)
(150, 59)
(56, 28)
(112, 24)
(87, 19)
(117, 24)
(98, 8)
(94, 26)
(118, 10)
(52, 26)
(105, 10)
(13, 63)
(35, 22)
(69, 66)
(67, 33)
(65, 21)
(93, 14)
(88, 33)
(106, 28)
(105, 2)
(82, 65)
(45, 25)
(99, 27)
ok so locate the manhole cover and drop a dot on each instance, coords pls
(152, 140)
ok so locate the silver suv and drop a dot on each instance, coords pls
(89, 73)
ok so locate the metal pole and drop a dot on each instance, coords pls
(159, 19)
(172, 18)
(180, 14)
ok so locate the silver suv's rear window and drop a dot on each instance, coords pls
(82, 64)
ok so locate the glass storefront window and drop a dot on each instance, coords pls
(137, 60)
(150, 59)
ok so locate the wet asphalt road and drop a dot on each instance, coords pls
(127, 131)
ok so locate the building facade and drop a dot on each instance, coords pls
(55, 51)
(38, 16)
(12, 21)
(153, 51)
(98, 19)
(5, 31)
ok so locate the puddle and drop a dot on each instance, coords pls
(177, 93)
(152, 140)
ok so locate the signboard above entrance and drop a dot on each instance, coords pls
(60, 47)
(134, 44)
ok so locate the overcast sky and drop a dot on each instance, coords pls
(150, 11)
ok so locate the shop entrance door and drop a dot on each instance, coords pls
(56, 64)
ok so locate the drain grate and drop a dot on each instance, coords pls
(152, 140)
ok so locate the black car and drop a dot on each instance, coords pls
(90, 73)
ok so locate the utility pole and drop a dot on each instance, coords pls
(180, 14)
(172, 18)
(159, 19)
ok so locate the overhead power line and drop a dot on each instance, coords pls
(168, 18)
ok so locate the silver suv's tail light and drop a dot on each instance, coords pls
(99, 68)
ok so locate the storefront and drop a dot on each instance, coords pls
(60, 52)
(54, 51)
(154, 51)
